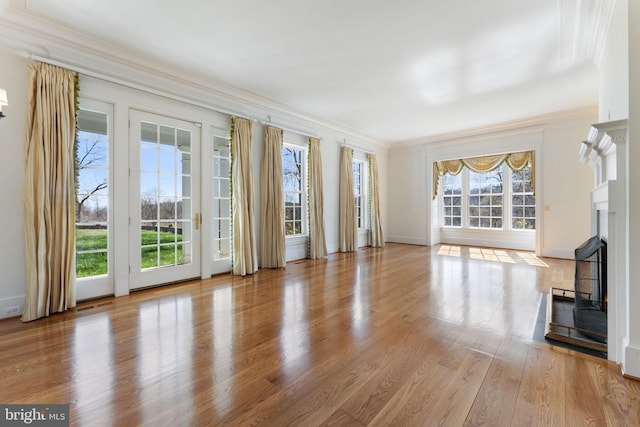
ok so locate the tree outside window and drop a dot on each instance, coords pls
(294, 188)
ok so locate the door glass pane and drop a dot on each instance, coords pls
(92, 200)
(221, 199)
(165, 190)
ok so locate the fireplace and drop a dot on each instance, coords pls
(590, 306)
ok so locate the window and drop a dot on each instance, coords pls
(502, 199)
(221, 199)
(523, 202)
(358, 188)
(92, 202)
(295, 189)
(485, 199)
(452, 200)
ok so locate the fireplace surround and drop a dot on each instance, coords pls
(605, 150)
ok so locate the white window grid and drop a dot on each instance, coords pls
(486, 199)
(523, 201)
(221, 199)
(496, 208)
(358, 190)
(294, 182)
(452, 200)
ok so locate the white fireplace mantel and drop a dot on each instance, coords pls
(605, 151)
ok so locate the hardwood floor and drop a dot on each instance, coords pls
(404, 335)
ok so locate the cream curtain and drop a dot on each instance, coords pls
(272, 243)
(377, 238)
(317, 241)
(245, 257)
(347, 229)
(516, 161)
(49, 192)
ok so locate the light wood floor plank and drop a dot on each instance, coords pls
(496, 400)
(404, 335)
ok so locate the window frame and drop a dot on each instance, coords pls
(485, 211)
(362, 220)
(303, 192)
(507, 188)
(525, 195)
(107, 194)
(444, 202)
(216, 178)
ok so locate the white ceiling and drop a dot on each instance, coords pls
(392, 70)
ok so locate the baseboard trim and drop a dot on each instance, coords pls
(558, 253)
(12, 306)
(631, 365)
(406, 240)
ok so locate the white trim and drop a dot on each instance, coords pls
(216, 266)
(525, 125)
(631, 365)
(557, 253)
(296, 247)
(515, 239)
(9, 302)
(304, 190)
(409, 240)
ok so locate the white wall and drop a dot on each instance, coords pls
(567, 186)
(14, 78)
(632, 352)
(563, 183)
(408, 196)
(614, 68)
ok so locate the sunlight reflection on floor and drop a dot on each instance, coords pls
(532, 259)
(488, 254)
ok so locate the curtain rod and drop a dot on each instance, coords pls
(27, 55)
(299, 132)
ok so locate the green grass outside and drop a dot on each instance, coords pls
(94, 264)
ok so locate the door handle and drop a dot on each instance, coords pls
(197, 221)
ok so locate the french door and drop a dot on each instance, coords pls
(164, 206)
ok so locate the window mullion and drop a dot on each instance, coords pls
(507, 191)
(465, 198)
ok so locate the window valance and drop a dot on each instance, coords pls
(516, 161)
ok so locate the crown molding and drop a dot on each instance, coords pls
(524, 125)
(31, 34)
(584, 27)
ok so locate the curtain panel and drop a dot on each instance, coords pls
(49, 192)
(244, 258)
(347, 229)
(272, 241)
(516, 161)
(376, 237)
(317, 240)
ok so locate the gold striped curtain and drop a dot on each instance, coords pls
(244, 254)
(49, 192)
(347, 228)
(516, 161)
(317, 241)
(272, 242)
(377, 238)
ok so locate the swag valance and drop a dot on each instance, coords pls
(516, 161)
